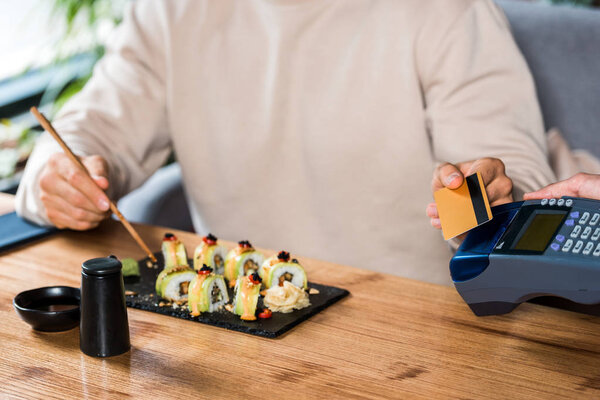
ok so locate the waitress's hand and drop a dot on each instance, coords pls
(580, 185)
(498, 186)
(72, 199)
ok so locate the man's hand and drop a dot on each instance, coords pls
(580, 185)
(71, 198)
(498, 186)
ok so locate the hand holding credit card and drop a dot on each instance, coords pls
(463, 208)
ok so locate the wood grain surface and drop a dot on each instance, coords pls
(391, 338)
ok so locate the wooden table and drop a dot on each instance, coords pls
(391, 338)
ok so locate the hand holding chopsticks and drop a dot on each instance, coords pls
(50, 129)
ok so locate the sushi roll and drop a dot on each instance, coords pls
(276, 270)
(173, 284)
(173, 252)
(207, 292)
(209, 252)
(242, 261)
(247, 291)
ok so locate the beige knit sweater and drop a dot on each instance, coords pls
(311, 125)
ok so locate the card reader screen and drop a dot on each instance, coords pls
(539, 232)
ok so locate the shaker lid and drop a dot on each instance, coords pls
(102, 266)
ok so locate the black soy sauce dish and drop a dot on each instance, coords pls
(49, 309)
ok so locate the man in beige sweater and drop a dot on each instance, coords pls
(307, 125)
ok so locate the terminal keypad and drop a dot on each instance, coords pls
(588, 248)
(581, 230)
(567, 247)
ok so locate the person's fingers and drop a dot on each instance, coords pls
(501, 200)
(432, 211)
(98, 169)
(62, 221)
(101, 181)
(580, 185)
(55, 185)
(499, 191)
(558, 189)
(587, 185)
(79, 214)
(489, 168)
(435, 222)
(96, 165)
(446, 175)
(79, 180)
(498, 186)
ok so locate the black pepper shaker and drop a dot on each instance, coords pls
(103, 327)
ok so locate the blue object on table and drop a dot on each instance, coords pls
(529, 250)
(14, 231)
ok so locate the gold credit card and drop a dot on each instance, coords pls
(463, 208)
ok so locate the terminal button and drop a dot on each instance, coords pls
(596, 234)
(561, 238)
(574, 214)
(576, 231)
(578, 247)
(567, 245)
(595, 219)
(544, 202)
(560, 202)
(588, 248)
(569, 203)
(569, 222)
(552, 202)
(586, 232)
(555, 246)
(584, 218)
(597, 250)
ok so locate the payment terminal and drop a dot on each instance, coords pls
(548, 247)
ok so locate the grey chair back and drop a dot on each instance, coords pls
(562, 47)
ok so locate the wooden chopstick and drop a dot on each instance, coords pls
(50, 129)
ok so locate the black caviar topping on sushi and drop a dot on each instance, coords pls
(244, 243)
(283, 256)
(168, 235)
(255, 278)
(211, 237)
(206, 268)
(295, 261)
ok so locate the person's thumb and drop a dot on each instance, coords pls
(98, 169)
(450, 176)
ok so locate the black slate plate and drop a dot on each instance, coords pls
(279, 323)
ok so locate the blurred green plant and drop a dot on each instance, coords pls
(91, 19)
(86, 26)
(16, 143)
